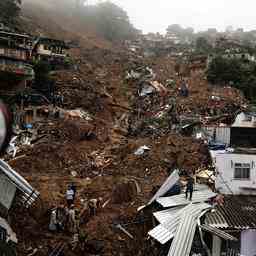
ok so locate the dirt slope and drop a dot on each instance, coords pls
(49, 19)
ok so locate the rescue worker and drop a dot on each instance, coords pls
(62, 214)
(70, 196)
(53, 220)
(72, 219)
(73, 187)
(190, 187)
(93, 206)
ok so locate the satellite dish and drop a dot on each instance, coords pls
(5, 127)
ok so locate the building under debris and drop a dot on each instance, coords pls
(15, 56)
(15, 192)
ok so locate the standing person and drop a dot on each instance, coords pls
(93, 206)
(73, 187)
(72, 219)
(53, 220)
(190, 187)
(61, 217)
(70, 196)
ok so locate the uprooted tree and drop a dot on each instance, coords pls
(9, 11)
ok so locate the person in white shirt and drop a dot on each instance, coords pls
(70, 195)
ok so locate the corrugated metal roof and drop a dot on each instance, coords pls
(27, 194)
(218, 232)
(198, 196)
(237, 212)
(183, 239)
(167, 230)
(163, 216)
(200, 187)
(168, 184)
(215, 219)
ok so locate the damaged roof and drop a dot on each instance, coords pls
(27, 194)
(168, 184)
(218, 232)
(198, 196)
(237, 212)
(181, 244)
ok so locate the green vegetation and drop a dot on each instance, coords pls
(203, 46)
(239, 73)
(9, 11)
(109, 20)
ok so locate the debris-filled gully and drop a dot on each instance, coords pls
(117, 137)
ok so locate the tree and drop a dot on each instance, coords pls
(222, 70)
(202, 45)
(113, 22)
(236, 72)
(9, 11)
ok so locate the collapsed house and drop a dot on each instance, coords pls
(15, 54)
(50, 50)
(27, 96)
(15, 192)
(213, 223)
(181, 222)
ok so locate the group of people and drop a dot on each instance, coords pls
(64, 217)
(67, 218)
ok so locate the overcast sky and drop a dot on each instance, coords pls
(156, 15)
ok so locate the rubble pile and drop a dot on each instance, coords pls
(115, 136)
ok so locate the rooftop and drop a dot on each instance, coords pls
(242, 151)
(237, 212)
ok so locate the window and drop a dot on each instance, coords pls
(242, 171)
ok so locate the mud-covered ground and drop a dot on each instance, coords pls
(104, 165)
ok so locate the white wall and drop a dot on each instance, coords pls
(224, 163)
(42, 51)
(248, 246)
(241, 121)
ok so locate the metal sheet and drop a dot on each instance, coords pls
(7, 192)
(218, 232)
(183, 239)
(163, 216)
(168, 184)
(223, 135)
(27, 194)
(167, 230)
(198, 196)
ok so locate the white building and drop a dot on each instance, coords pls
(235, 171)
(245, 120)
(236, 179)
